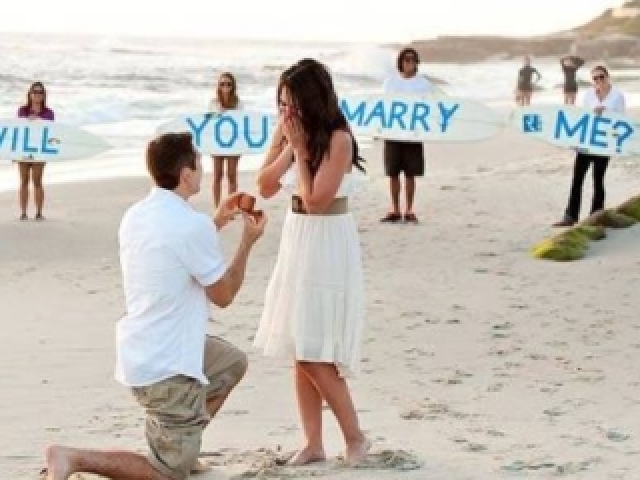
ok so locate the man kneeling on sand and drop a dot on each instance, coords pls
(172, 265)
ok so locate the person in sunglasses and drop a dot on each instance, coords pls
(31, 170)
(404, 157)
(600, 98)
(226, 98)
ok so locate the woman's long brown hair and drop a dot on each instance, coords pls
(33, 86)
(233, 94)
(311, 89)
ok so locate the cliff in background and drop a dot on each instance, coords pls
(615, 34)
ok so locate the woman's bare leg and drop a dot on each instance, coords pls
(218, 173)
(335, 391)
(23, 192)
(38, 193)
(232, 174)
(310, 410)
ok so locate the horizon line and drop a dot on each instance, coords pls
(230, 39)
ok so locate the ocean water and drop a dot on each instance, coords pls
(123, 88)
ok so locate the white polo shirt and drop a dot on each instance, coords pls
(168, 254)
(399, 84)
(614, 101)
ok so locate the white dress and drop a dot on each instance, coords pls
(314, 303)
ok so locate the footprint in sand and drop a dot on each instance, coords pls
(470, 446)
(399, 460)
(614, 435)
(420, 352)
(424, 411)
(455, 379)
(501, 330)
(267, 463)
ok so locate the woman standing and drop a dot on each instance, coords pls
(226, 98)
(31, 170)
(525, 83)
(600, 98)
(314, 303)
(570, 66)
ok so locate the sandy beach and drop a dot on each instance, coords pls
(480, 361)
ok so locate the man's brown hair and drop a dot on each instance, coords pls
(405, 52)
(167, 155)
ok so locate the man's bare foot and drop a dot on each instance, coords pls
(59, 464)
(200, 467)
(357, 451)
(306, 456)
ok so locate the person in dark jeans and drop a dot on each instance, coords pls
(602, 96)
(580, 168)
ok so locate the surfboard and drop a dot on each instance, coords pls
(46, 141)
(233, 132)
(610, 134)
(421, 117)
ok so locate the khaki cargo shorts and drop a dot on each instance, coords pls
(176, 408)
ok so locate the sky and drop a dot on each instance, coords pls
(323, 21)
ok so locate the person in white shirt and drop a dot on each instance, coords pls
(601, 97)
(226, 98)
(172, 266)
(407, 157)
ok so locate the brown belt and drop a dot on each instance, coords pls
(338, 206)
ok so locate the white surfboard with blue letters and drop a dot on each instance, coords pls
(421, 117)
(46, 141)
(409, 117)
(610, 134)
(234, 132)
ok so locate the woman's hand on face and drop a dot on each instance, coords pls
(278, 134)
(294, 132)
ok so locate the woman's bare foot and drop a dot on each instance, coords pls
(59, 463)
(357, 451)
(306, 456)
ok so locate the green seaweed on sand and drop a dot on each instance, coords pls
(561, 248)
(609, 218)
(630, 208)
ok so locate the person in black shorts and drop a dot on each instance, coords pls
(407, 158)
(401, 156)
